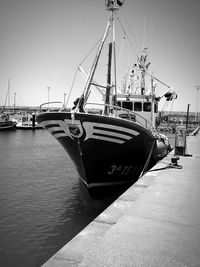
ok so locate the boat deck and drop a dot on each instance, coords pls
(156, 222)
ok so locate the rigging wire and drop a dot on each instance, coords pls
(128, 26)
(98, 42)
(172, 105)
(79, 70)
(132, 46)
(168, 165)
(164, 108)
(84, 59)
(72, 86)
(134, 49)
(91, 51)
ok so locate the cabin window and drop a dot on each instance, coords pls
(119, 103)
(147, 106)
(156, 108)
(137, 106)
(127, 116)
(127, 105)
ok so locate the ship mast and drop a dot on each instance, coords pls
(86, 91)
(144, 67)
(152, 104)
(112, 6)
(108, 87)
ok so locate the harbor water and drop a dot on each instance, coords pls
(43, 205)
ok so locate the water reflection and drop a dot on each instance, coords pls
(82, 209)
(43, 204)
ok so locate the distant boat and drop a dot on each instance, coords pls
(114, 142)
(6, 123)
(27, 122)
(165, 129)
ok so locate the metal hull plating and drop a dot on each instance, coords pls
(105, 150)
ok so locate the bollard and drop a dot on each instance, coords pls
(33, 120)
(180, 140)
(174, 160)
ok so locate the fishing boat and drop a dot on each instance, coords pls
(6, 123)
(27, 122)
(113, 142)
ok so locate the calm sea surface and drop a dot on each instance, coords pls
(43, 205)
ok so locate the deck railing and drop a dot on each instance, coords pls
(111, 110)
(117, 111)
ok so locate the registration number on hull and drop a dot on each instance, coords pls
(120, 170)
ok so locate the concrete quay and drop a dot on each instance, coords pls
(156, 222)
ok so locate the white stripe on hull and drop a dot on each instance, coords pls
(109, 133)
(108, 139)
(58, 135)
(98, 131)
(54, 129)
(92, 185)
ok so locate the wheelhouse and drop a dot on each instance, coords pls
(140, 104)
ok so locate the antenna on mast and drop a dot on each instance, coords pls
(112, 5)
(144, 33)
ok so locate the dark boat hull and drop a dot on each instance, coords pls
(8, 125)
(105, 150)
(21, 127)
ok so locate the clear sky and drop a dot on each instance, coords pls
(43, 42)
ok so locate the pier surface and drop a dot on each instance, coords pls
(156, 222)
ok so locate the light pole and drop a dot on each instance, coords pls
(197, 87)
(48, 88)
(9, 93)
(14, 100)
(188, 108)
(64, 99)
